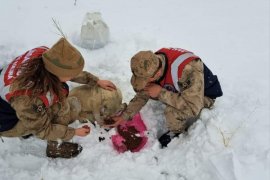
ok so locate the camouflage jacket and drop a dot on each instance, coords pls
(191, 96)
(46, 123)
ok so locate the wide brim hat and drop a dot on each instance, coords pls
(63, 60)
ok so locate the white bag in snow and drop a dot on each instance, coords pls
(94, 31)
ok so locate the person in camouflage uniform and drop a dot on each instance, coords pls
(33, 96)
(179, 79)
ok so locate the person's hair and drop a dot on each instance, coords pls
(34, 77)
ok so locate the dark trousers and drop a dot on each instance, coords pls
(8, 118)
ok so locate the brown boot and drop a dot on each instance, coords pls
(62, 150)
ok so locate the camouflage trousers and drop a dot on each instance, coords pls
(178, 121)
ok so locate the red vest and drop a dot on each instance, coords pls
(10, 72)
(177, 59)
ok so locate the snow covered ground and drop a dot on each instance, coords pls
(230, 142)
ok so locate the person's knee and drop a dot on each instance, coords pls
(179, 121)
(174, 120)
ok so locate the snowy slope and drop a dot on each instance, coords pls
(230, 142)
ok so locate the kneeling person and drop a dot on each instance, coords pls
(33, 96)
(179, 79)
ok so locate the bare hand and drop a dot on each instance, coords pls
(83, 131)
(117, 119)
(105, 84)
(152, 89)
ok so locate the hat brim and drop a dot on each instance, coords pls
(138, 83)
(60, 72)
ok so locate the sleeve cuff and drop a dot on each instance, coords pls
(70, 134)
(126, 116)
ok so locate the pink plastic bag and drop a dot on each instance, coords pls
(130, 135)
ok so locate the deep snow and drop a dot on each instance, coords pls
(230, 142)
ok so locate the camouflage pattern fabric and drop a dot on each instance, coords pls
(182, 107)
(46, 123)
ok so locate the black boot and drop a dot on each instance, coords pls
(166, 138)
(62, 150)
